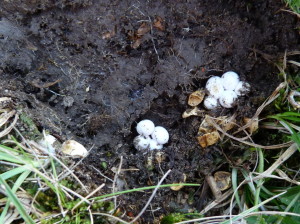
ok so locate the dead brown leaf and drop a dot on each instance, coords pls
(158, 23)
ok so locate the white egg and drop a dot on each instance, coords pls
(145, 127)
(228, 99)
(230, 80)
(214, 86)
(161, 135)
(210, 103)
(154, 145)
(141, 142)
(242, 88)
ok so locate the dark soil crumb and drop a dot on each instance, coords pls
(90, 70)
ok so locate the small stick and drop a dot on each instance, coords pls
(213, 186)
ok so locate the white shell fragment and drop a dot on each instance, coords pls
(210, 103)
(74, 149)
(242, 88)
(228, 99)
(154, 145)
(230, 80)
(161, 135)
(141, 142)
(145, 127)
(214, 86)
(47, 142)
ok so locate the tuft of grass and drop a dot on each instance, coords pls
(294, 5)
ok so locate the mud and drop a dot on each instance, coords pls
(89, 70)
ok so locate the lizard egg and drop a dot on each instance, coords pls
(145, 127)
(228, 99)
(161, 135)
(230, 80)
(154, 145)
(242, 88)
(141, 142)
(210, 103)
(214, 86)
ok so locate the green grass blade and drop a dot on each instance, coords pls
(12, 197)
(234, 186)
(142, 189)
(14, 172)
(260, 182)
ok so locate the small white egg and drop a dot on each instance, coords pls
(145, 127)
(210, 103)
(230, 80)
(141, 142)
(242, 88)
(154, 145)
(228, 99)
(161, 135)
(214, 86)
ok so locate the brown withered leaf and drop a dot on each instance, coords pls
(136, 43)
(36, 83)
(193, 112)
(208, 139)
(158, 23)
(196, 97)
(178, 187)
(223, 180)
(143, 29)
(253, 124)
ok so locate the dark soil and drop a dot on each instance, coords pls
(89, 70)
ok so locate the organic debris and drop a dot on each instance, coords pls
(178, 187)
(223, 180)
(207, 133)
(196, 97)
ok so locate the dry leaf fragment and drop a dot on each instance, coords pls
(196, 97)
(178, 187)
(226, 123)
(252, 124)
(5, 101)
(208, 139)
(136, 43)
(158, 23)
(223, 180)
(193, 112)
(74, 149)
(143, 29)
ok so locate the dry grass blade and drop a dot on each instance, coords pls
(87, 197)
(5, 116)
(285, 177)
(268, 101)
(10, 127)
(216, 202)
(151, 197)
(287, 154)
(283, 145)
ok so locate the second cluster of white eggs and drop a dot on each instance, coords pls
(224, 90)
(150, 137)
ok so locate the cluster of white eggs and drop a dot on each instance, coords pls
(224, 90)
(150, 137)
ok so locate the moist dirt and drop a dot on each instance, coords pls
(90, 70)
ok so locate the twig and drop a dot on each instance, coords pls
(87, 197)
(151, 197)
